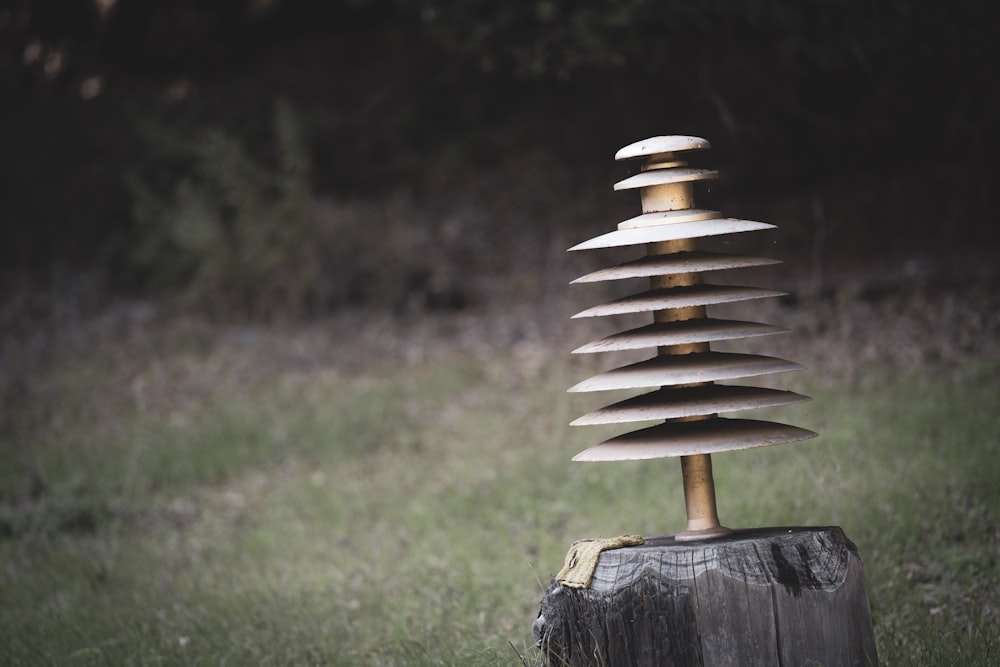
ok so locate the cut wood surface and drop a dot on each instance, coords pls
(771, 596)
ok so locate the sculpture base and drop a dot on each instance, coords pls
(766, 596)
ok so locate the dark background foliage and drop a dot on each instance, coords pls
(882, 114)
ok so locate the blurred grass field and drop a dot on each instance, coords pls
(186, 494)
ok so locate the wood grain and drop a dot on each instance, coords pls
(775, 596)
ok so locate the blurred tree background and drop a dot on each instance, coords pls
(287, 157)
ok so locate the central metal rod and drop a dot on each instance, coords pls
(699, 486)
(699, 498)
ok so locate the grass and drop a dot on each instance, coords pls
(202, 504)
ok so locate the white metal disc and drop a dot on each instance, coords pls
(645, 179)
(681, 262)
(661, 144)
(673, 232)
(678, 297)
(689, 402)
(708, 436)
(685, 332)
(669, 370)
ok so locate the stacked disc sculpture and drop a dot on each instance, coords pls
(684, 373)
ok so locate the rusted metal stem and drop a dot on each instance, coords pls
(699, 499)
(699, 485)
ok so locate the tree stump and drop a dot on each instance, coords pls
(767, 596)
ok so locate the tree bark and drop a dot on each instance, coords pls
(769, 596)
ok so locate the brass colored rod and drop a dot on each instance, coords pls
(699, 499)
(677, 280)
(699, 486)
(670, 197)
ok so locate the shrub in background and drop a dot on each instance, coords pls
(234, 236)
(228, 232)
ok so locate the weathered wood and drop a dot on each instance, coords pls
(772, 596)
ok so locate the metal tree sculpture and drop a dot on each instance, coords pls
(684, 371)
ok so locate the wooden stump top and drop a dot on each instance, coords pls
(795, 558)
(765, 596)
